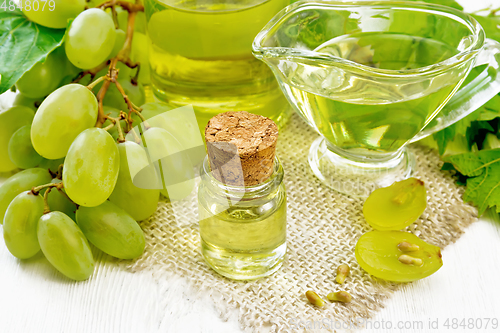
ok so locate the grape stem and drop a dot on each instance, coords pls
(96, 82)
(46, 208)
(112, 75)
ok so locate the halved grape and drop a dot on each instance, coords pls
(64, 245)
(58, 202)
(140, 203)
(379, 254)
(174, 165)
(397, 206)
(60, 118)
(140, 53)
(54, 14)
(91, 167)
(21, 151)
(19, 225)
(90, 39)
(10, 121)
(111, 230)
(21, 181)
(43, 78)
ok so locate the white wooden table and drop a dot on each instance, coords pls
(35, 298)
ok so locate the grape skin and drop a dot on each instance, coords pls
(63, 10)
(21, 181)
(142, 202)
(135, 93)
(111, 230)
(42, 78)
(19, 225)
(90, 39)
(91, 167)
(58, 202)
(60, 118)
(377, 253)
(64, 245)
(176, 170)
(21, 151)
(119, 42)
(10, 121)
(397, 206)
(140, 53)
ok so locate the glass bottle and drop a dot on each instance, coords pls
(243, 228)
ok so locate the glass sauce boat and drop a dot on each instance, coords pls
(371, 77)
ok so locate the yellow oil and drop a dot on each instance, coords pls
(201, 55)
(244, 243)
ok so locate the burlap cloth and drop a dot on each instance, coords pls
(323, 228)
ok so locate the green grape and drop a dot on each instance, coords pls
(175, 168)
(119, 42)
(56, 13)
(397, 206)
(51, 165)
(43, 78)
(21, 151)
(60, 118)
(91, 167)
(10, 121)
(21, 100)
(139, 202)
(115, 99)
(19, 225)
(140, 20)
(90, 39)
(140, 53)
(64, 245)
(58, 202)
(181, 124)
(379, 254)
(21, 181)
(111, 230)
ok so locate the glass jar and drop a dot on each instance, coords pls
(200, 52)
(243, 228)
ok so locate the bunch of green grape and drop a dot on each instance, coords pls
(76, 182)
(390, 254)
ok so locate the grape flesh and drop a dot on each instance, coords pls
(43, 78)
(91, 167)
(20, 182)
(378, 254)
(21, 151)
(140, 203)
(90, 39)
(175, 169)
(397, 206)
(10, 121)
(56, 14)
(111, 230)
(140, 53)
(20, 222)
(58, 202)
(64, 245)
(60, 118)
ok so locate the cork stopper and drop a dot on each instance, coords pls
(241, 147)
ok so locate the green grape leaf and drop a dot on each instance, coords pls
(23, 44)
(483, 170)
